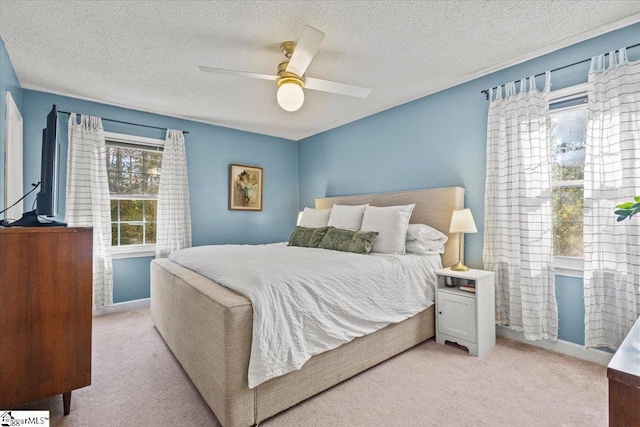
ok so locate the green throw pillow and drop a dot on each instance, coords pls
(362, 241)
(307, 237)
(317, 236)
(301, 236)
(348, 241)
(337, 240)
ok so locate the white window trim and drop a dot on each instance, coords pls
(133, 139)
(562, 265)
(570, 183)
(133, 251)
(568, 266)
(576, 91)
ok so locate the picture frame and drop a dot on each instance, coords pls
(245, 188)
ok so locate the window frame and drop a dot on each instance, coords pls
(568, 266)
(133, 251)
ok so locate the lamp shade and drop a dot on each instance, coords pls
(462, 222)
(290, 96)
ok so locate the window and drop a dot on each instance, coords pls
(568, 133)
(133, 170)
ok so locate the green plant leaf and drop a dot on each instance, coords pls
(622, 214)
(628, 209)
(627, 205)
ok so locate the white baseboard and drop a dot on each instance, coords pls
(122, 306)
(560, 346)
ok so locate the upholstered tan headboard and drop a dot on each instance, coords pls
(434, 207)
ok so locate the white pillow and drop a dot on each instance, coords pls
(347, 217)
(423, 232)
(391, 223)
(426, 246)
(314, 218)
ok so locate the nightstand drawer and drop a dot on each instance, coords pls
(457, 316)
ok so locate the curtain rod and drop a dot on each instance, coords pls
(486, 91)
(124, 123)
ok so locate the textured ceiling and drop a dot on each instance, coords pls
(145, 54)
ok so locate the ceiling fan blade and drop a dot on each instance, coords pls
(335, 87)
(237, 73)
(305, 50)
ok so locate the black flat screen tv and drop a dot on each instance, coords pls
(47, 197)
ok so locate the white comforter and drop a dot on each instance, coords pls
(307, 301)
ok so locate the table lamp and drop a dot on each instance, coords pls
(462, 222)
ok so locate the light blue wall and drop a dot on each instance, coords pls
(131, 279)
(8, 82)
(440, 140)
(210, 150)
(570, 297)
(435, 141)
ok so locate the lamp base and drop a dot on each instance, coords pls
(459, 266)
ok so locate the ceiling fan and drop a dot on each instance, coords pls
(290, 77)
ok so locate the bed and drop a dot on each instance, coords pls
(208, 327)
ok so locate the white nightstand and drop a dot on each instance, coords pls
(464, 317)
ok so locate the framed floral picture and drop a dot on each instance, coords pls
(245, 188)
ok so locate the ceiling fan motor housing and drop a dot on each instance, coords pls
(287, 48)
(287, 77)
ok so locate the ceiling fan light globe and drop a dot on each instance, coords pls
(290, 96)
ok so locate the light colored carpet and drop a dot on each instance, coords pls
(137, 381)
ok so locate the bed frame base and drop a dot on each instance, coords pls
(209, 327)
(185, 307)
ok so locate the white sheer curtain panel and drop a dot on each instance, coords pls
(518, 233)
(87, 200)
(611, 176)
(174, 213)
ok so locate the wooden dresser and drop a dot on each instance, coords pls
(624, 382)
(45, 313)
